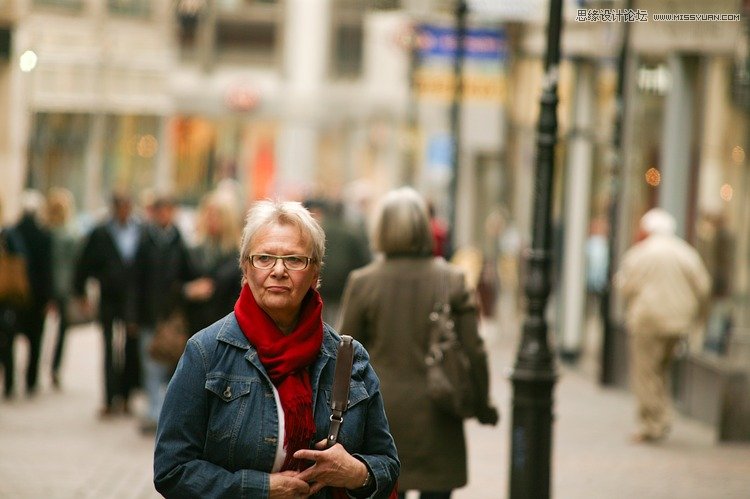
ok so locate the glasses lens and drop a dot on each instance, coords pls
(263, 261)
(295, 262)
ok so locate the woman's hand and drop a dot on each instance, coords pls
(333, 467)
(288, 485)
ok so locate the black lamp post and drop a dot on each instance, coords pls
(534, 375)
(461, 10)
(609, 328)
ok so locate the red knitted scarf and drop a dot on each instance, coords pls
(286, 359)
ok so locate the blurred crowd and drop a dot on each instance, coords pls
(128, 271)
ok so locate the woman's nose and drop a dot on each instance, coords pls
(278, 267)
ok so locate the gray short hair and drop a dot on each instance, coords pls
(267, 213)
(402, 225)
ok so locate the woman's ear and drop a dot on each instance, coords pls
(245, 267)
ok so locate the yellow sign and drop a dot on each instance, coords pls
(439, 85)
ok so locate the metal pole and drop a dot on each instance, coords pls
(455, 116)
(534, 375)
(606, 373)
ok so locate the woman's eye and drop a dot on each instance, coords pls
(294, 260)
(263, 258)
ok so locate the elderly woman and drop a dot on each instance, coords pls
(250, 395)
(387, 306)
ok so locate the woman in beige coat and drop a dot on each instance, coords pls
(386, 306)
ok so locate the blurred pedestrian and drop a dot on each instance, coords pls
(213, 293)
(65, 238)
(597, 257)
(252, 392)
(162, 267)
(346, 252)
(716, 244)
(665, 286)
(108, 256)
(38, 243)
(387, 306)
(441, 241)
(12, 244)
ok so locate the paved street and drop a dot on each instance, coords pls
(53, 446)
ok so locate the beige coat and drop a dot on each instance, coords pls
(386, 306)
(665, 285)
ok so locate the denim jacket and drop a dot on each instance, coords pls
(218, 430)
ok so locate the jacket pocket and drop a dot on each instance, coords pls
(228, 402)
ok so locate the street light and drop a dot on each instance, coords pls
(461, 10)
(607, 370)
(534, 375)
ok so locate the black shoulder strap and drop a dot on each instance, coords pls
(340, 391)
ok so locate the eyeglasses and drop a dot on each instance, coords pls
(291, 262)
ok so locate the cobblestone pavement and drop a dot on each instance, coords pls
(53, 446)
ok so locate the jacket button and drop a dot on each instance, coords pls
(228, 392)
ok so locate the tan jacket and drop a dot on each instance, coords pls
(665, 286)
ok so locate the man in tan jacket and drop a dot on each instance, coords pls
(666, 287)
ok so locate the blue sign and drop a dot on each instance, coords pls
(483, 44)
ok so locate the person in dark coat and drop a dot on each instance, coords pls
(108, 256)
(9, 310)
(38, 243)
(387, 306)
(214, 292)
(162, 267)
(65, 246)
(346, 252)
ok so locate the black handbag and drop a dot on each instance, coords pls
(448, 367)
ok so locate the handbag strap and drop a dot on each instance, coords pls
(340, 391)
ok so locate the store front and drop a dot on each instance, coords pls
(70, 150)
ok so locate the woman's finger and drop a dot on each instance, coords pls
(308, 454)
(322, 444)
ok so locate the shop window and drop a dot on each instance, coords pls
(236, 4)
(134, 8)
(70, 5)
(130, 151)
(188, 13)
(57, 150)
(246, 41)
(194, 147)
(347, 50)
(347, 34)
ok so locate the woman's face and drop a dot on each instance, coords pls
(213, 221)
(278, 291)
